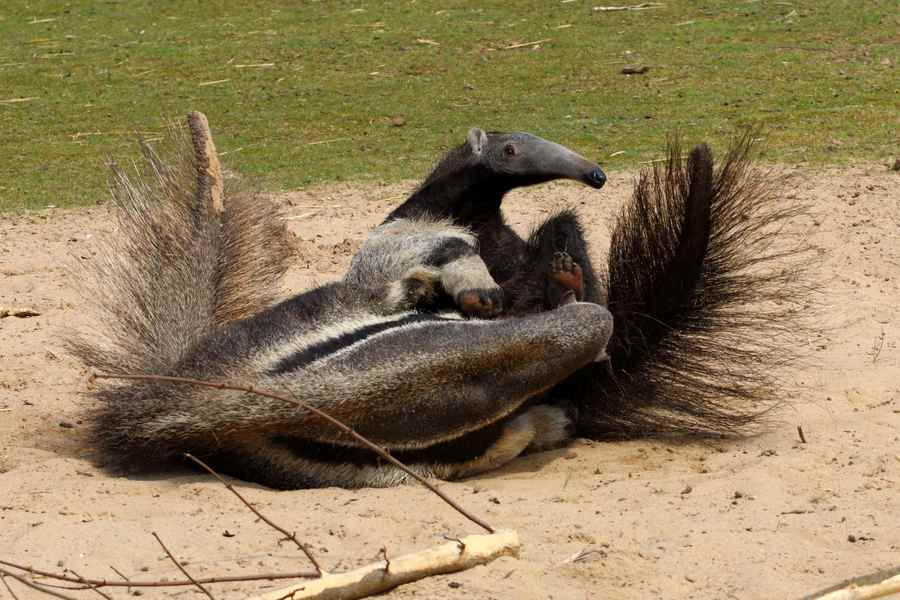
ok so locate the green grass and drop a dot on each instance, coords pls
(823, 77)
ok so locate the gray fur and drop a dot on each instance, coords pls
(448, 393)
(398, 246)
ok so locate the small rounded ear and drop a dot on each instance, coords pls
(477, 139)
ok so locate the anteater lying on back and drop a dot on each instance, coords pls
(184, 288)
(703, 303)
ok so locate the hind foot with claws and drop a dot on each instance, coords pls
(565, 281)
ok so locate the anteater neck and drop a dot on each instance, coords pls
(467, 195)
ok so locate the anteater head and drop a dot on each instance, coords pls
(468, 184)
(521, 159)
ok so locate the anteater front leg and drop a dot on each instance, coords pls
(465, 277)
(418, 289)
(398, 249)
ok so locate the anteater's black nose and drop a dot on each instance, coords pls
(597, 178)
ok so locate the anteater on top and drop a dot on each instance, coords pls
(185, 288)
(704, 298)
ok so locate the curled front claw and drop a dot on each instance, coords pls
(481, 302)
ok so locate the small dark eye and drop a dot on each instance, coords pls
(509, 150)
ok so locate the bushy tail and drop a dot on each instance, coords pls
(189, 255)
(707, 293)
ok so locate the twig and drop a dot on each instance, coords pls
(580, 556)
(288, 536)
(90, 587)
(376, 578)
(182, 569)
(342, 139)
(120, 574)
(24, 581)
(305, 215)
(387, 561)
(154, 584)
(800, 433)
(130, 132)
(460, 543)
(877, 347)
(526, 44)
(642, 6)
(21, 313)
(659, 160)
(8, 589)
(370, 445)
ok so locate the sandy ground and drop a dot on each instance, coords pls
(766, 517)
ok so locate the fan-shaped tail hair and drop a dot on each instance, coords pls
(708, 292)
(190, 254)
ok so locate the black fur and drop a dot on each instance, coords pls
(467, 186)
(312, 353)
(703, 308)
(448, 251)
(707, 300)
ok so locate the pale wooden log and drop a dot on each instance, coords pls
(210, 184)
(881, 589)
(371, 579)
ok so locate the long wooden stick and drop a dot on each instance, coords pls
(642, 6)
(381, 576)
(854, 591)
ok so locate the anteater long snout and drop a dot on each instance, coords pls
(556, 161)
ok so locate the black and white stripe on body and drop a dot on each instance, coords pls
(413, 380)
(408, 381)
(311, 353)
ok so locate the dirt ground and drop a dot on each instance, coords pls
(765, 517)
